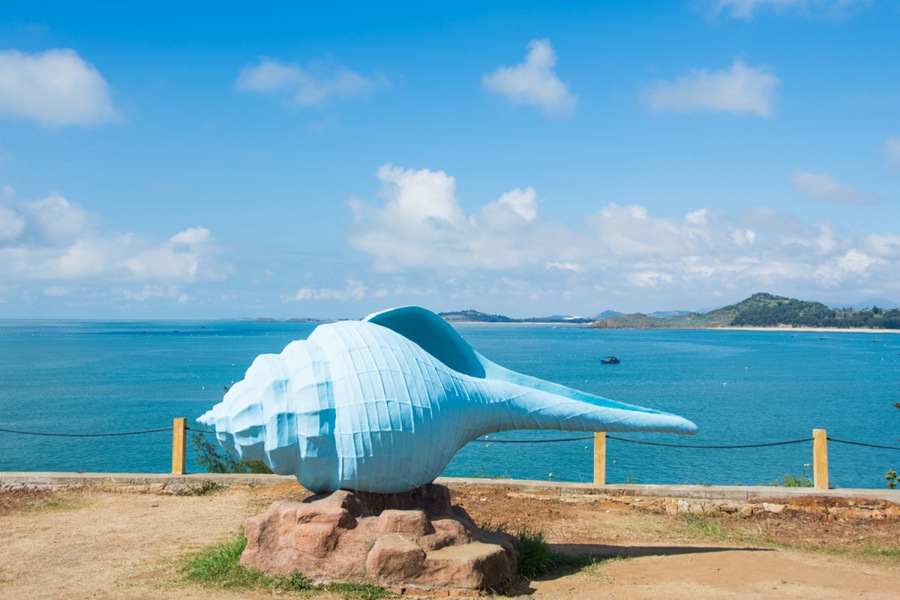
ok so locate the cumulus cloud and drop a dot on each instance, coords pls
(892, 152)
(53, 239)
(55, 88)
(422, 211)
(315, 85)
(747, 9)
(420, 227)
(533, 82)
(823, 187)
(353, 290)
(738, 90)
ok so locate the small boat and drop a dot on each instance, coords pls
(609, 360)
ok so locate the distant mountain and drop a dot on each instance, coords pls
(607, 314)
(474, 316)
(762, 310)
(669, 314)
(558, 319)
(879, 302)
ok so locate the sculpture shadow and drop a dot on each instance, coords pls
(601, 552)
(575, 557)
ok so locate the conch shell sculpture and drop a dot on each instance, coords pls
(382, 405)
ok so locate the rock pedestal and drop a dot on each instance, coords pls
(416, 539)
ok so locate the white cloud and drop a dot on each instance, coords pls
(494, 251)
(193, 236)
(55, 88)
(822, 186)
(353, 290)
(533, 82)
(313, 86)
(746, 9)
(738, 90)
(521, 202)
(564, 266)
(421, 211)
(53, 239)
(149, 292)
(892, 151)
(420, 198)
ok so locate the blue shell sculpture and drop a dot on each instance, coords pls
(383, 404)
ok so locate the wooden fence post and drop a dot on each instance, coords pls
(600, 458)
(179, 443)
(820, 459)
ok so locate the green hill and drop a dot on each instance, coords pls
(763, 310)
(474, 316)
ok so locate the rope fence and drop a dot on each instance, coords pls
(819, 439)
(86, 435)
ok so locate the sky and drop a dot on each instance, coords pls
(327, 160)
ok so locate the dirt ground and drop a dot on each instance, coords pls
(115, 542)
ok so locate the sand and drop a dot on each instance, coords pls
(116, 542)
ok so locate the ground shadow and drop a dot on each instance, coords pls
(572, 558)
(604, 551)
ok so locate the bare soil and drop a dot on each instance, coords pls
(116, 542)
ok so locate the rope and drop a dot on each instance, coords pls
(863, 444)
(711, 447)
(498, 441)
(82, 435)
(612, 437)
(199, 430)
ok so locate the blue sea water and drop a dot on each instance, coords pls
(740, 387)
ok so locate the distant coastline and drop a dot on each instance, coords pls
(809, 329)
(798, 329)
(761, 311)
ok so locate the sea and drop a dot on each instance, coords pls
(741, 387)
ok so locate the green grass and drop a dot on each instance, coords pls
(878, 551)
(56, 503)
(708, 528)
(207, 488)
(701, 525)
(793, 481)
(538, 559)
(219, 566)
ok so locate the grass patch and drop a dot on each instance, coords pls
(219, 566)
(538, 559)
(870, 551)
(699, 524)
(206, 488)
(710, 528)
(792, 481)
(56, 503)
(879, 551)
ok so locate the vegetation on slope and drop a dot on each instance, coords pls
(764, 310)
(473, 316)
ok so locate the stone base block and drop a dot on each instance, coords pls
(417, 540)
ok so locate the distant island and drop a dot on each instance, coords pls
(474, 316)
(759, 310)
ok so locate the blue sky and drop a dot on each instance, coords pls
(293, 159)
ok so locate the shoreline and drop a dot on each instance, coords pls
(723, 328)
(811, 329)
